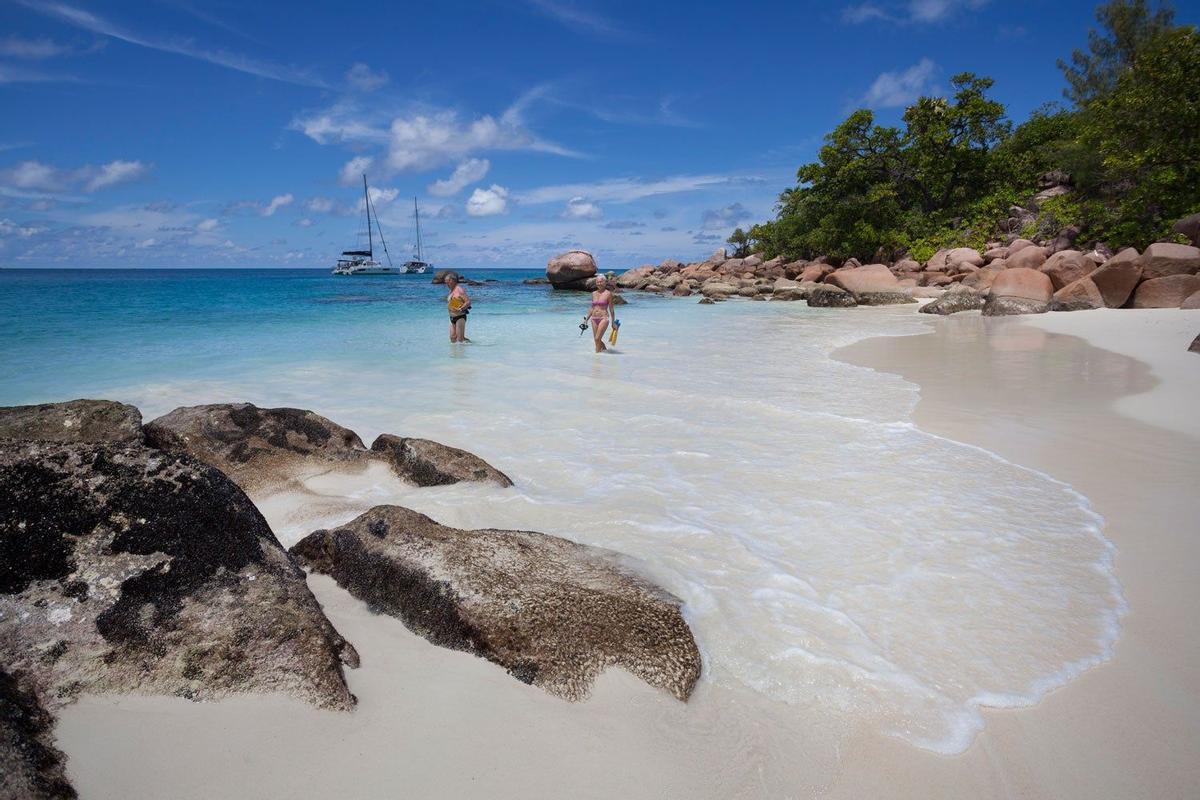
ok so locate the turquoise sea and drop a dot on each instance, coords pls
(830, 554)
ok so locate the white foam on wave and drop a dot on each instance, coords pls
(831, 554)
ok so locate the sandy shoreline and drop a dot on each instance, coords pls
(438, 723)
(1130, 727)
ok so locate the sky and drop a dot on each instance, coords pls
(184, 133)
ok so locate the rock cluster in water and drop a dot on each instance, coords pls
(552, 612)
(1019, 277)
(132, 560)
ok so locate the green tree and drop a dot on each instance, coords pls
(1126, 28)
(1146, 131)
(740, 241)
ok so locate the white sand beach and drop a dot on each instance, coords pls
(1101, 401)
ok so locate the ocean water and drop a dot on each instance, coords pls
(831, 555)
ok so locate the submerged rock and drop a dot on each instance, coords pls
(428, 463)
(125, 569)
(30, 765)
(552, 612)
(77, 421)
(264, 448)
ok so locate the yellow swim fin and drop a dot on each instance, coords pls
(612, 335)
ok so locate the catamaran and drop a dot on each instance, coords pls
(417, 263)
(362, 262)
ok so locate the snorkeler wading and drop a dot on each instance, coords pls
(601, 312)
(459, 305)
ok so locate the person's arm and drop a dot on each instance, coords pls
(612, 307)
(466, 299)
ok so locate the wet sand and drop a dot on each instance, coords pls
(432, 722)
(1124, 431)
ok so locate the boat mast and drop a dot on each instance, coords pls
(367, 206)
(417, 216)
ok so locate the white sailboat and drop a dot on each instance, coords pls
(417, 264)
(362, 262)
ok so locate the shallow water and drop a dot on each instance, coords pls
(830, 555)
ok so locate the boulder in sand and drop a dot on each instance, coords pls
(964, 255)
(1025, 258)
(31, 767)
(570, 270)
(126, 569)
(1192, 302)
(957, 298)
(552, 612)
(1019, 291)
(1079, 295)
(1067, 266)
(1164, 258)
(73, 422)
(871, 285)
(263, 449)
(1167, 292)
(256, 446)
(824, 295)
(1117, 277)
(428, 463)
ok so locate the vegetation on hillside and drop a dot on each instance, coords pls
(1129, 140)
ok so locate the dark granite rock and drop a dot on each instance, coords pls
(883, 298)
(125, 569)
(263, 449)
(827, 296)
(30, 765)
(552, 612)
(1005, 306)
(428, 463)
(256, 446)
(952, 302)
(76, 421)
(1194, 347)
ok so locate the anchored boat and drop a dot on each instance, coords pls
(417, 263)
(362, 262)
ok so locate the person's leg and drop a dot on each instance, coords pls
(461, 328)
(601, 327)
(453, 332)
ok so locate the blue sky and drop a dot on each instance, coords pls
(167, 133)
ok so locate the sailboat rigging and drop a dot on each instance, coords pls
(362, 262)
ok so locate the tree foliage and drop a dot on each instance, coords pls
(945, 178)
(1126, 28)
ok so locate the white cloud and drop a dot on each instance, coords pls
(353, 170)
(277, 202)
(32, 49)
(901, 88)
(579, 208)
(721, 219)
(423, 138)
(910, 11)
(466, 173)
(116, 172)
(381, 197)
(305, 222)
(142, 245)
(319, 205)
(576, 18)
(94, 23)
(622, 190)
(10, 228)
(39, 177)
(362, 78)
(488, 202)
(207, 225)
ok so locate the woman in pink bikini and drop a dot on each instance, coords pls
(601, 312)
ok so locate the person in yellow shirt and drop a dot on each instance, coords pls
(459, 305)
